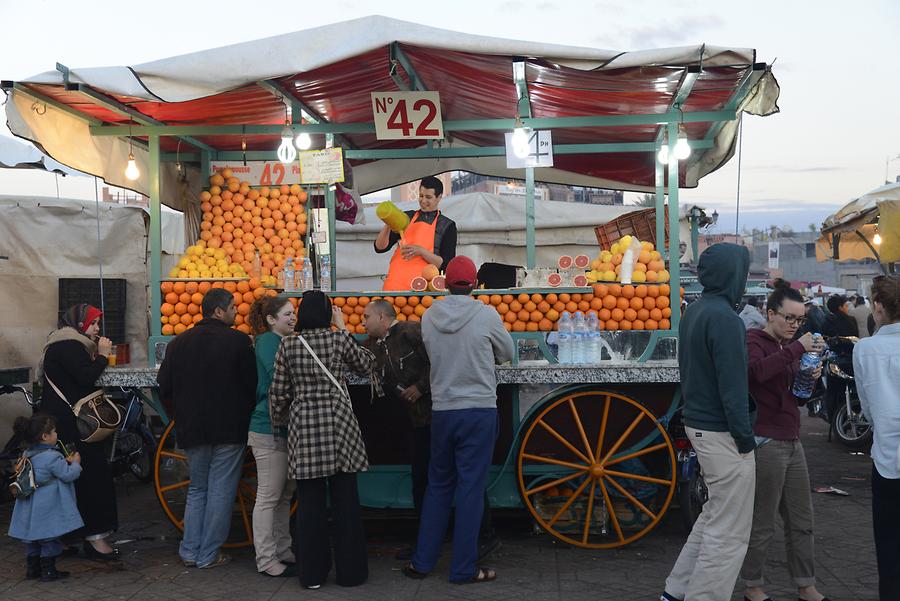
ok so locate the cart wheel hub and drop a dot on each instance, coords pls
(597, 471)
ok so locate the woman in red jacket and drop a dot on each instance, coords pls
(782, 479)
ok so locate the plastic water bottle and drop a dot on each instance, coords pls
(804, 383)
(580, 341)
(289, 275)
(256, 268)
(307, 274)
(594, 350)
(566, 338)
(325, 273)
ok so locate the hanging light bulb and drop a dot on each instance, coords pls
(876, 240)
(521, 139)
(131, 171)
(303, 141)
(682, 148)
(663, 155)
(286, 151)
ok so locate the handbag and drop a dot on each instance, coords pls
(96, 417)
(328, 373)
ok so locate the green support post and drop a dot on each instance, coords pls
(674, 232)
(332, 223)
(529, 218)
(155, 236)
(660, 204)
(205, 165)
(695, 238)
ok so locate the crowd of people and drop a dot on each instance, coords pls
(283, 393)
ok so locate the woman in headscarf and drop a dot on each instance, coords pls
(74, 357)
(325, 447)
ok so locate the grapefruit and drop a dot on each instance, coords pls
(582, 261)
(554, 279)
(418, 284)
(565, 262)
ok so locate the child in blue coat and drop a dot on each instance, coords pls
(50, 511)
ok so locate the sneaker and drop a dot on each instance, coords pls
(313, 587)
(189, 563)
(220, 560)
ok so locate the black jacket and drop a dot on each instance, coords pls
(838, 324)
(712, 353)
(401, 360)
(209, 377)
(68, 364)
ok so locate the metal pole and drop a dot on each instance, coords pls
(695, 238)
(660, 204)
(155, 236)
(529, 218)
(674, 232)
(737, 207)
(99, 253)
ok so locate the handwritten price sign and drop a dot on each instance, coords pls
(407, 115)
(261, 173)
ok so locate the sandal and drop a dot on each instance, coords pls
(410, 572)
(481, 575)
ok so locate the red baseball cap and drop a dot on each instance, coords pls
(461, 272)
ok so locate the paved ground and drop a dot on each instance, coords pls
(530, 565)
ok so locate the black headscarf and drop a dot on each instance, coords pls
(314, 312)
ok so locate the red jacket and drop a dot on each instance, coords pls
(771, 369)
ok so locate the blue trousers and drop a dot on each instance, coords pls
(48, 547)
(462, 443)
(215, 472)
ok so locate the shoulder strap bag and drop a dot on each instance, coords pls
(328, 373)
(96, 417)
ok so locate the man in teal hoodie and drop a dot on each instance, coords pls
(718, 415)
(464, 339)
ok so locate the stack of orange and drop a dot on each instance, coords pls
(242, 220)
(618, 307)
(181, 303)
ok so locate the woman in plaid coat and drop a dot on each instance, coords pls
(325, 447)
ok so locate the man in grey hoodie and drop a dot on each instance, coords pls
(464, 339)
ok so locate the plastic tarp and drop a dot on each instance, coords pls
(46, 239)
(16, 155)
(334, 67)
(843, 231)
(490, 228)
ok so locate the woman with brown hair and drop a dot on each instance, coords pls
(876, 367)
(325, 447)
(74, 357)
(270, 319)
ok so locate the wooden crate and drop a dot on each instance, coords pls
(641, 223)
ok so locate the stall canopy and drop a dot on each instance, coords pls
(16, 155)
(328, 73)
(850, 233)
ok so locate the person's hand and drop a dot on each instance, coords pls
(411, 394)
(337, 318)
(408, 251)
(74, 458)
(817, 373)
(104, 346)
(812, 344)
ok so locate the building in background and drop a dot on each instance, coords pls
(124, 197)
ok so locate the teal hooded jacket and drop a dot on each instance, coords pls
(712, 354)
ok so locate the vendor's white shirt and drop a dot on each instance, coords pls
(876, 367)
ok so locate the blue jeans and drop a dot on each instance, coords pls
(215, 471)
(462, 443)
(48, 547)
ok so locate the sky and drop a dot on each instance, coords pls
(835, 62)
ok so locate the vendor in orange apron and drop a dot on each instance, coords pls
(430, 238)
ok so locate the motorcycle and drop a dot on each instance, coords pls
(690, 487)
(839, 403)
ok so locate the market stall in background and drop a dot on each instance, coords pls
(264, 162)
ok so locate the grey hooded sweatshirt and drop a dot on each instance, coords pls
(464, 339)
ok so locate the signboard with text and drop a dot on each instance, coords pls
(540, 151)
(407, 115)
(261, 173)
(322, 166)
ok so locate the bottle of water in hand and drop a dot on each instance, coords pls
(804, 383)
(565, 337)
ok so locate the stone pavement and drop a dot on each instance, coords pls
(529, 565)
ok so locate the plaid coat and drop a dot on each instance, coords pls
(323, 434)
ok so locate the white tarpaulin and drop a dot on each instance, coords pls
(202, 74)
(490, 228)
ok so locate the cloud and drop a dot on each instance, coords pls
(677, 32)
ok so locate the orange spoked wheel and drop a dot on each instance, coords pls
(172, 478)
(596, 469)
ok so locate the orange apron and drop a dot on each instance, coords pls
(401, 271)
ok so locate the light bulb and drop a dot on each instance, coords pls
(286, 151)
(682, 148)
(521, 142)
(131, 171)
(663, 155)
(876, 240)
(303, 141)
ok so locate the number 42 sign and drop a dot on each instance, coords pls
(407, 115)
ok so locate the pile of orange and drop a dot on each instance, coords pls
(618, 307)
(243, 221)
(181, 303)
